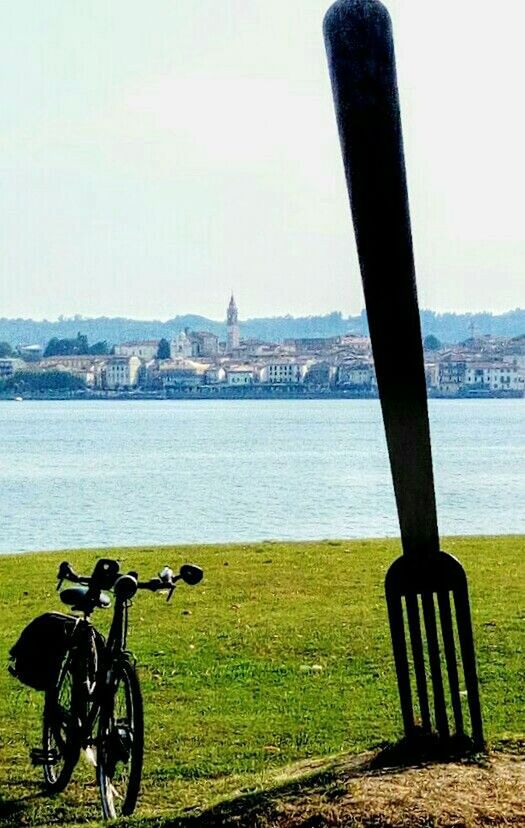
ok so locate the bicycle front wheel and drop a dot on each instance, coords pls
(120, 744)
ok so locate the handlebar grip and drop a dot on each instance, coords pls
(64, 570)
(66, 573)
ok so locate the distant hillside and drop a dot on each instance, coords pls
(448, 327)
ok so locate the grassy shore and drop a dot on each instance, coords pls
(281, 655)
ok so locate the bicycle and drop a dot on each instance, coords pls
(96, 703)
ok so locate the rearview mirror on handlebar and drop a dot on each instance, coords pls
(191, 574)
(166, 574)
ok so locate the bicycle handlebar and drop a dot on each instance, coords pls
(106, 573)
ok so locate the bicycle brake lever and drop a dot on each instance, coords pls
(63, 572)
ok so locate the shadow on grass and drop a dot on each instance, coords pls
(324, 779)
(12, 810)
(320, 779)
(424, 749)
(34, 809)
(252, 809)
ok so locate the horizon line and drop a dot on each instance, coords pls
(81, 318)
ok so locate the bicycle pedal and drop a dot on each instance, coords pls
(44, 757)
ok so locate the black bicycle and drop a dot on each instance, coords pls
(95, 704)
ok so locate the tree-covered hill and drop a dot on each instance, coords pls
(447, 327)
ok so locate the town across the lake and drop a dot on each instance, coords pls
(197, 364)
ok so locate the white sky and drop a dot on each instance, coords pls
(156, 155)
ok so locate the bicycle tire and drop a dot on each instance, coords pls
(60, 733)
(120, 743)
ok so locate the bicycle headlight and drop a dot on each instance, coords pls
(125, 587)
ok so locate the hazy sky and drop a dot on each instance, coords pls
(155, 155)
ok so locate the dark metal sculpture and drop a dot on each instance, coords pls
(360, 49)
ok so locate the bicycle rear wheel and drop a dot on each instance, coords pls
(120, 744)
(61, 735)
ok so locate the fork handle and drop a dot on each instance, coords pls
(360, 49)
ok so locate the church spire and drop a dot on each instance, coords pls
(232, 321)
(232, 314)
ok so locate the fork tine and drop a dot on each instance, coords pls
(466, 643)
(397, 631)
(414, 626)
(429, 614)
(450, 656)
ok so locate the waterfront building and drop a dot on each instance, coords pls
(203, 343)
(432, 374)
(122, 372)
(232, 321)
(215, 374)
(493, 377)
(181, 375)
(514, 349)
(89, 369)
(144, 349)
(240, 375)
(283, 372)
(451, 375)
(253, 348)
(356, 374)
(181, 345)
(180, 378)
(10, 366)
(30, 352)
(516, 359)
(312, 344)
(356, 342)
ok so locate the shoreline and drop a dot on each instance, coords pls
(235, 394)
(239, 546)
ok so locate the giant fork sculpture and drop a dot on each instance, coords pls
(360, 51)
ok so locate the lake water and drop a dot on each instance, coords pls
(76, 474)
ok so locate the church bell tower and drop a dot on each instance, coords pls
(232, 321)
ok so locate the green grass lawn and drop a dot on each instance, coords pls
(281, 654)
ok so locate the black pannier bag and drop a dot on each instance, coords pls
(38, 654)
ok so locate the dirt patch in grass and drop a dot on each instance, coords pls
(442, 795)
(463, 794)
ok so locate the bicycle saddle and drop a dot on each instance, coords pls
(78, 598)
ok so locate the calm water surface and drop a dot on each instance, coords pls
(75, 474)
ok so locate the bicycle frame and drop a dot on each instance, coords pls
(89, 699)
